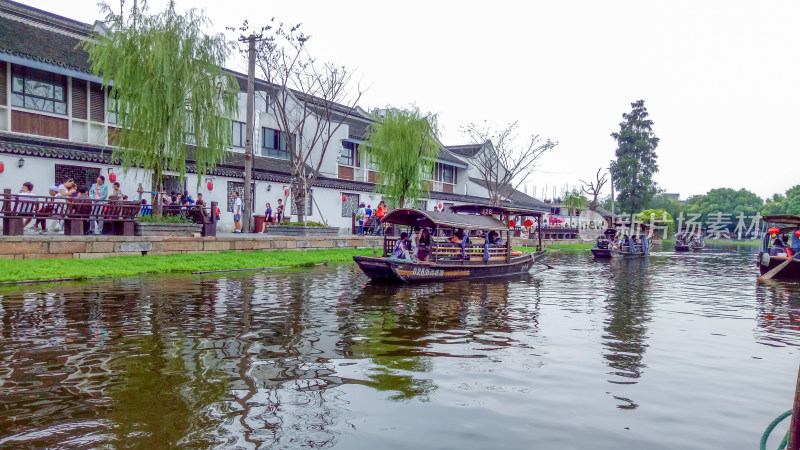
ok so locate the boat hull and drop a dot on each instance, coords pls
(400, 271)
(681, 248)
(790, 272)
(601, 252)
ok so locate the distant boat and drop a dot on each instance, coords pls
(680, 243)
(631, 248)
(602, 247)
(772, 256)
(697, 244)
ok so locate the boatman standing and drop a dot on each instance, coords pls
(796, 243)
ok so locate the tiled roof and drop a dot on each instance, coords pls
(39, 44)
(465, 151)
(447, 156)
(517, 197)
(269, 169)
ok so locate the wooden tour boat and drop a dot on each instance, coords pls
(697, 244)
(770, 257)
(681, 244)
(603, 248)
(447, 261)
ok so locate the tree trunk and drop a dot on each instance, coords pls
(157, 189)
(299, 199)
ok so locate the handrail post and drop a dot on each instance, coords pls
(794, 427)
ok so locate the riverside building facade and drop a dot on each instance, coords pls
(55, 124)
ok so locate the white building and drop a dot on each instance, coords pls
(54, 125)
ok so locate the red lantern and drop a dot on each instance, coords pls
(528, 223)
(773, 231)
(285, 192)
(797, 233)
(2, 167)
(511, 223)
(440, 206)
(210, 185)
(344, 198)
(112, 177)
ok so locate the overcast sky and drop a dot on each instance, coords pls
(720, 79)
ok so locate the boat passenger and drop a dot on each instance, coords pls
(777, 247)
(456, 238)
(495, 239)
(415, 241)
(424, 245)
(796, 243)
(401, 247)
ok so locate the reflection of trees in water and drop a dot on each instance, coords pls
(778, 313)
(626, 326)
(111, 357)
(396, 328)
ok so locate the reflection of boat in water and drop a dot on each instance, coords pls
(447, 261)
(771, 256)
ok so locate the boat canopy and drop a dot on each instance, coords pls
(428, 219)
(788, 219)
(488, 210)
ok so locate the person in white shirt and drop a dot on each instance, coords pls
(237, 212)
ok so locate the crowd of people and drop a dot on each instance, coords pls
(100, 190)
(634, 243)
(781, 246)
(417, 246)
(369, 220)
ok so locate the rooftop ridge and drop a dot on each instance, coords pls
(45, 19)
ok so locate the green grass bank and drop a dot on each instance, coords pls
(12, 271)
(126, 266)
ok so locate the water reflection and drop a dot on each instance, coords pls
(625, 337)
(317, 358)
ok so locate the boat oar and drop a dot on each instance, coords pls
(774, 271)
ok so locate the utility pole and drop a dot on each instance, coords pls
(613, 218)
(248, 149)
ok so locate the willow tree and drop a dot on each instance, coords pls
(404, 145)
(574, 201)
(167, 86)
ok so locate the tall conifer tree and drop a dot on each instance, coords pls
(636, 164)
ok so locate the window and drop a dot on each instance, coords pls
(239, 187)
(40, 90)
(274, 144)
(422, 205)
(371, 163)
(83, 176)
(350, 205)
(349, 154)
(309, 202)
(188, 135)
(448, 174)
(239, 135)
(112, 113)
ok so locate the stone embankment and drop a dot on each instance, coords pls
(57, 246)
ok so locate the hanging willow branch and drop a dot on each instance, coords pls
(404, 145)
(167, 85)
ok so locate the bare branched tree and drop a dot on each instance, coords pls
(594, 188)
(503, 164)
(309, 100)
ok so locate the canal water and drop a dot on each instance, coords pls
(676, 351)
